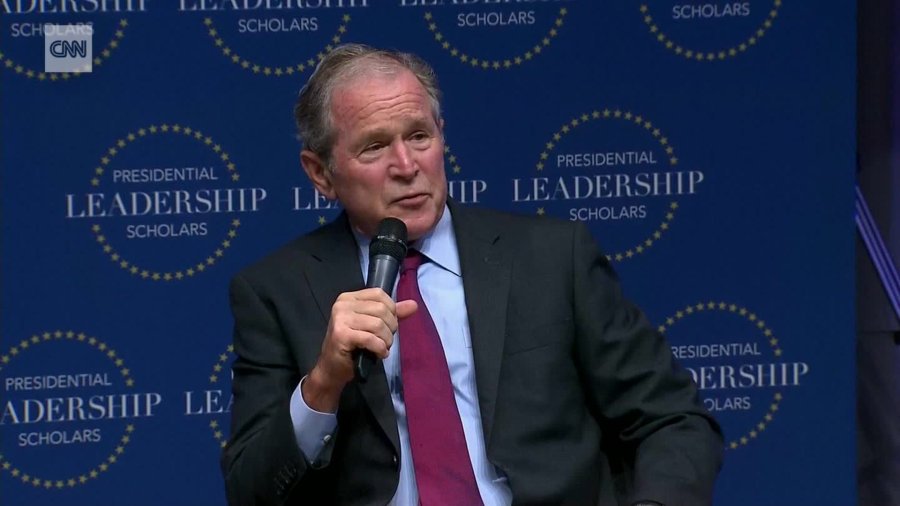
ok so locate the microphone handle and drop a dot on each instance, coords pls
(382, 274)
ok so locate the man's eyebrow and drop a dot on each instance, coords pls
(416, 123)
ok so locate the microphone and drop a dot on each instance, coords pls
(386, 251)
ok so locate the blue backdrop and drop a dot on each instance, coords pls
(709, 145)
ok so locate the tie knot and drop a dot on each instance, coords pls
(412, 261)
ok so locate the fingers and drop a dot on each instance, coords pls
(365, 319)
(406, 308)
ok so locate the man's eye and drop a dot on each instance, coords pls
(372, 147)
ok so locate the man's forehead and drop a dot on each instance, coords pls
(372, 83)
(394, 97)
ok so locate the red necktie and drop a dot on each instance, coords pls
(440, 457)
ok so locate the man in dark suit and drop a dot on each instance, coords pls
(544, 385)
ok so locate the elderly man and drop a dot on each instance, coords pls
(512, 371)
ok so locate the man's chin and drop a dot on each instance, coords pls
(418, 226)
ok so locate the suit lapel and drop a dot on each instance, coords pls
(334, 271)
(486, 280)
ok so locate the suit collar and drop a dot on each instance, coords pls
(486, 269)
(335, 271)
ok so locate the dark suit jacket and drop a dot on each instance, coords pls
(581, 402)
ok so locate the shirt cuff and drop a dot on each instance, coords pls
(312, 429)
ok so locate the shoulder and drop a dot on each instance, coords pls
(523, 230)
(301, 252)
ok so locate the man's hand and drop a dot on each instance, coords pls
(365, 319)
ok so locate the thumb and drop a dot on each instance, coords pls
(406, 308)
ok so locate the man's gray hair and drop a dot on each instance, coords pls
(315, 126)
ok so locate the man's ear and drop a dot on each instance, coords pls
(317, 172)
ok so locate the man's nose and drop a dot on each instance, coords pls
(402, 162)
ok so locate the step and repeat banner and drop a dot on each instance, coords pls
(709, 145)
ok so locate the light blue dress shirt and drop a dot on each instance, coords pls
(441, 284)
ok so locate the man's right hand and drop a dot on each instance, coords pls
(365, 319)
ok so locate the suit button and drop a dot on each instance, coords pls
(396, 461)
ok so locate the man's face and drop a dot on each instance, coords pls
(388, 154)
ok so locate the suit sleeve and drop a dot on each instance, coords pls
(665, 436)
(262, 463)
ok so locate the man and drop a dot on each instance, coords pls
(543, 386)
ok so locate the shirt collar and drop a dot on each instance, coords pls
(439, 245)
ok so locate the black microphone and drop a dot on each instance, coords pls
(386, 251)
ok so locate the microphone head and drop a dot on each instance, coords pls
(390, 239)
